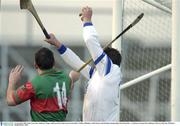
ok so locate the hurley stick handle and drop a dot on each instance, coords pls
(46, 34)
(34, 13)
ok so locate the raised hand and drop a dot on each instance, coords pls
(53, 41)
(86, 14)
(15, 74)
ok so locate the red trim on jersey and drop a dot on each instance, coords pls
(23, 93)
(46, 105)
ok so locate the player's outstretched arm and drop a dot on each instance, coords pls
(14, 77)
(89, 33)
(69, 56)
(92, 42)
(53, 41)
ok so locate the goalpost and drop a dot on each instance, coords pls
(146, 52)
(175, 89)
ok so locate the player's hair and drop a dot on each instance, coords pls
(44, 58)
(114, 55)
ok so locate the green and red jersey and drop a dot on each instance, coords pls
(48, 94)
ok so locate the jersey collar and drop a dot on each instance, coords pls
(48, 71)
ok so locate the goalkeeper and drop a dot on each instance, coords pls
(101, 101)
(48, 92)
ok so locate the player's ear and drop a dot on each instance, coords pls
(36, 66)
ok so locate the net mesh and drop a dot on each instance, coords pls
(145, 48)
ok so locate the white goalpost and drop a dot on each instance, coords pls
(175, 84)
(146, 76)
(146, 66)
(117, 26)
(158, 5)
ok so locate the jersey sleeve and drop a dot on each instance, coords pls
(23, 93)
(74, 61)
(102, 62)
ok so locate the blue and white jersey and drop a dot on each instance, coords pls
(101, 101)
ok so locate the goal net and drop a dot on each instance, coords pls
(145, 48)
